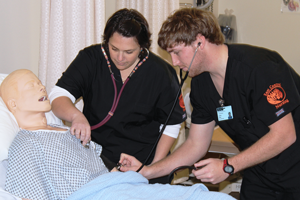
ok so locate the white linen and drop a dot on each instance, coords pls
(3, 194)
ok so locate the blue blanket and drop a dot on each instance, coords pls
(131, 185)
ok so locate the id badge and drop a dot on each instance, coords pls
(224, 113)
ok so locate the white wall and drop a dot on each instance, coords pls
(258, 23)
(19, 35)
(261, 23)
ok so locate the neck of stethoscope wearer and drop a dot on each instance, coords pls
(182, 79)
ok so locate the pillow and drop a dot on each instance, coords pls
(8, 127)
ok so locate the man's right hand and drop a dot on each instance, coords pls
(129, 163)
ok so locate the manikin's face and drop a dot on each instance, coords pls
(124, 51)
(32, 94)
(182, 56)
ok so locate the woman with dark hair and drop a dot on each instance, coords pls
(127, 91)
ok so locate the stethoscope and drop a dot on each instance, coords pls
(117, 96)
(182, 79)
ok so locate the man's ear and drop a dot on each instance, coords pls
(200, 38)
(11, 104)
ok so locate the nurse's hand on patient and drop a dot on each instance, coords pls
(129, 163)
(210, 170)
(81, 129)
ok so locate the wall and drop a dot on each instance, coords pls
(258, 23)
(19, 35)
(261, 23)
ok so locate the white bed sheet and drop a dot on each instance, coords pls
(3, 194)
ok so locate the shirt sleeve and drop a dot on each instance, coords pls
(198, 95)
(59, 92)
(274, 91)
(171, 130)
(77, 79)
(170, 85)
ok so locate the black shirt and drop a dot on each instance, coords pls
(261, 88)
(144, 104)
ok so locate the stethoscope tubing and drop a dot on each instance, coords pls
(172, 109)
(115, 103)
(167, 120)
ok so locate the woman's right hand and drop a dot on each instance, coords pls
(81, 128)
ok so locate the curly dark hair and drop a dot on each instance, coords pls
(128, 23)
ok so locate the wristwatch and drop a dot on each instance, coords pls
(228, 168)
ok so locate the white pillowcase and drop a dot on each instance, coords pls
(8, 127)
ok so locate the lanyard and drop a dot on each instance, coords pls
(117, 96)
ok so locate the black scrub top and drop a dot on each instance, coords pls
(261, 88)
(144, 104)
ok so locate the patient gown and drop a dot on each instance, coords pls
(50, 165)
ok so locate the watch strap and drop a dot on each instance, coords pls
(225, 164)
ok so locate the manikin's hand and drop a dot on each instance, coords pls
(81, 129)
(210, 170)
(129, 163)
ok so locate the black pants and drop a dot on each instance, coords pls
(258, 185)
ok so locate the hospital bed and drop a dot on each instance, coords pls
(9, 129)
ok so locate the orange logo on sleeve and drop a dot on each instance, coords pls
(276, 95)
(181, 102)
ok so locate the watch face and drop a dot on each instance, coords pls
(228, 169)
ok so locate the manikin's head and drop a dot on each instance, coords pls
(24, 94)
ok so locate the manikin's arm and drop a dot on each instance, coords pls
(64, 109)
(188, 153)
(282, 134)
